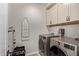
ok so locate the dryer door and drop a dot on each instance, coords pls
(55, 51)
(41, 46)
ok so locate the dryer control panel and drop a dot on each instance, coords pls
(69, 47)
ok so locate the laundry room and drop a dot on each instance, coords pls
(31, 23)
(39, 29)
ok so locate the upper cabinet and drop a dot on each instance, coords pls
(63, 13)
(74, 11)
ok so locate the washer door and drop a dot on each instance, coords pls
(41, 45)
(55, 51)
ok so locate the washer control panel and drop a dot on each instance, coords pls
(69, 47)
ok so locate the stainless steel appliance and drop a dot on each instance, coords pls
(44, 44)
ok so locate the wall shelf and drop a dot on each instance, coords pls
(64, 23)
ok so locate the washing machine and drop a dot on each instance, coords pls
(44, 44)
(59, 48)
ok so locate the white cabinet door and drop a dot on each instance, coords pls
(54, 15)
(48, 21)
(49, 17)
(63, 12)
(74, 11)
(60, 13)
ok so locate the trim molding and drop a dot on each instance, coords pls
(30, 54)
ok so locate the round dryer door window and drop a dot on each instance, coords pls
(55, 51)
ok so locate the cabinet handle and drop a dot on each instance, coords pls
(68, 18)
(50, 22)
(58, 43)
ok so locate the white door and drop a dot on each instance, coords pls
(74, 11)
(3, 28)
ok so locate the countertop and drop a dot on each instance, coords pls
(66, 40)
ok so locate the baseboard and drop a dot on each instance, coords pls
(30, 54)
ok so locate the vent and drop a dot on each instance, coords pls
(50, 5)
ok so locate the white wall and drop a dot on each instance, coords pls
(37, 23)
(70, 30)
(3, 28)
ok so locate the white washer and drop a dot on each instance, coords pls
(67, 46)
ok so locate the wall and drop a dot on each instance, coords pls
(37, 23)
(70, 30)
(3, 28)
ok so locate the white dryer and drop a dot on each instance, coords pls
(44, 44)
